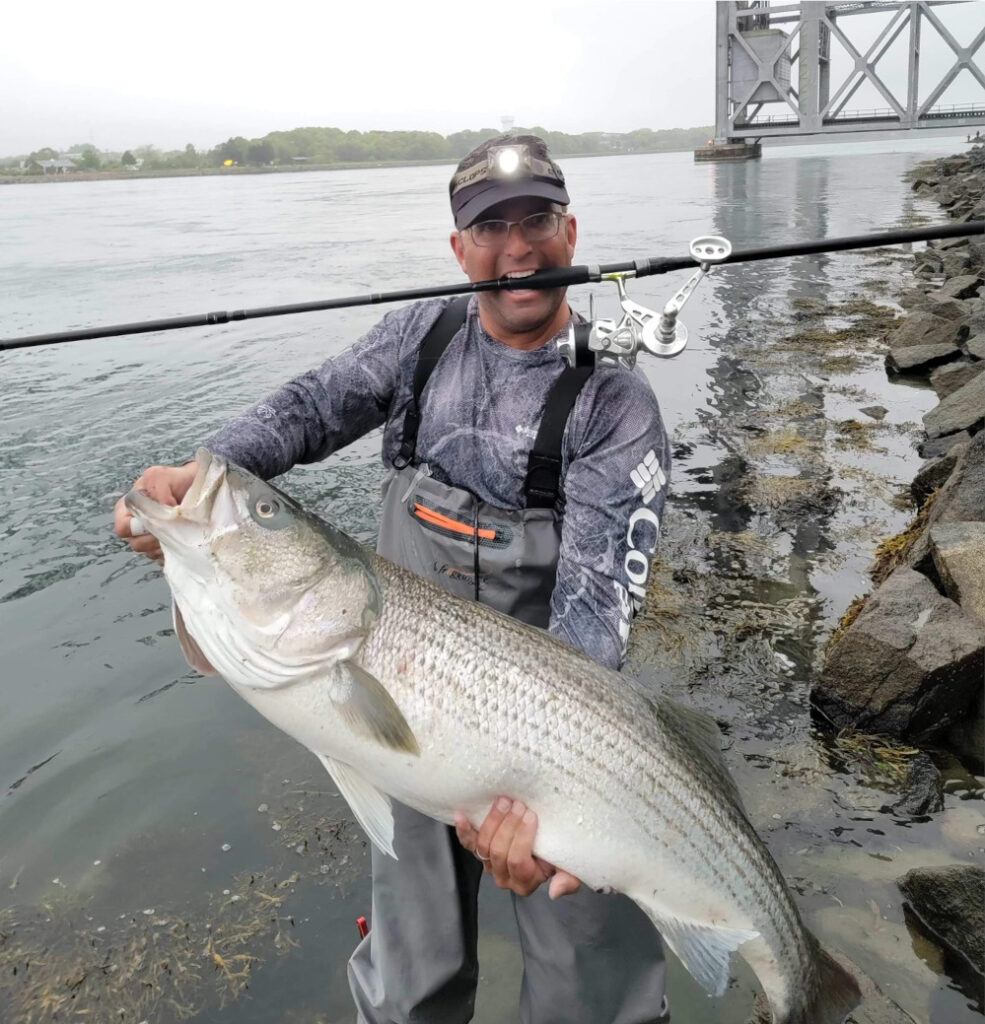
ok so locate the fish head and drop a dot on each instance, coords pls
(241, 554)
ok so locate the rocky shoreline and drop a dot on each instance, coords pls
(909, 657)
(910, 662)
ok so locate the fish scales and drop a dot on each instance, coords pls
(445, 704)
(566, 693)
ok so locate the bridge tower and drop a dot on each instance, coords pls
(758, 44)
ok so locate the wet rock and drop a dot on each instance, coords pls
(963, 409)
(949, 243)
(938, 304)
(877, 412)
(966, 286)
(920, 358)
(947, 379)
(933, 474)
(909, 665)
(956, 264)
(949, 903)
(923, 790)
(976, 258)
(958, 550)
(967, 739)
(922, 328)
(938, 446)
(961, 499)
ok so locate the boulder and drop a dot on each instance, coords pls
(967, 737)
(909, 665)
(961, 499)
(956, 264)
(938, 304)
(949, 902)
(935, 447)
(922, 328)
(947, 379)
(976, 346)
(958, 550)
(966, 286)
(933, 474)
(963, 409)
(916, 358)
(923, 790)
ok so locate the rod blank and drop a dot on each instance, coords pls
(559, 277)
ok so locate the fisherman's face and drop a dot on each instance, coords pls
(518, 316)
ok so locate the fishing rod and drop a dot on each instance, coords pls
(661, 334)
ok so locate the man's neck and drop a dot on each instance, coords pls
(527, 342)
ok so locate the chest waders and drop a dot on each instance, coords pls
(588, 958)
(505, 558)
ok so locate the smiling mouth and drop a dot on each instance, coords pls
(517, 276)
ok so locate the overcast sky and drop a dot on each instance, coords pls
(121, 74)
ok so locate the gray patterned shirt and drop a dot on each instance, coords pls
(479, 417)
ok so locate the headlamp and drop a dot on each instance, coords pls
(507, 163)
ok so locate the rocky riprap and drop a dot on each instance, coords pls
(912, 661)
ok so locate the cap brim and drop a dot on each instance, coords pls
(488, 194)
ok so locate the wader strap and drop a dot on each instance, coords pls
(432, 347)
(542, 485)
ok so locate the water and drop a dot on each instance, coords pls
(125, 777)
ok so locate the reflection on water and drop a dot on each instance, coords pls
(124, 778)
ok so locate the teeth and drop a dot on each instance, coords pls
(520, 273)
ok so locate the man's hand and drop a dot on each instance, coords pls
(505, 842)
(165, 484)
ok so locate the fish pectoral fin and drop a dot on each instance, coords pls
(370, 806)
(367, 707)
(189, 646)
(703, 949)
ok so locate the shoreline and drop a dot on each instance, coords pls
(201, 172)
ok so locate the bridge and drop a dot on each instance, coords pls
(761, 46)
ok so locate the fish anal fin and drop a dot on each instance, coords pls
(368, 709)
(370, 806)
(189, 645)
(703, 949)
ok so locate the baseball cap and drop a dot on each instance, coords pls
(501, 168)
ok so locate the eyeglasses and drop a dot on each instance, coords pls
(538, 227)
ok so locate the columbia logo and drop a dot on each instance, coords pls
(649, 477)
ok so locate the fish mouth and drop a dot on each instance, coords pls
(198, 506)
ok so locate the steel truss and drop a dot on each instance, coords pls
(748, 38)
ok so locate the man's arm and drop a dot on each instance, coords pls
(307, 419)
(615, 487)
(323, 410)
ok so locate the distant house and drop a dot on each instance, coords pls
(59, 166)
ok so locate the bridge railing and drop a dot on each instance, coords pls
(877, 114)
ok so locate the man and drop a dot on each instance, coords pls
(520, 482)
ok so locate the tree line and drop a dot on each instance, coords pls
(333, 147)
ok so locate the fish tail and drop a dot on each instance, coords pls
(835, 995)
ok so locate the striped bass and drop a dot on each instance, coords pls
(405, 691)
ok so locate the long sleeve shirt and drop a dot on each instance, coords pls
(479, 417)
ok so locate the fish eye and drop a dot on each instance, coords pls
(267, 508)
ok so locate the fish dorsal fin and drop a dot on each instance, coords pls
(189, 646)
(370, 806)
(703, 949)
(368, 709)
(703, 735)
